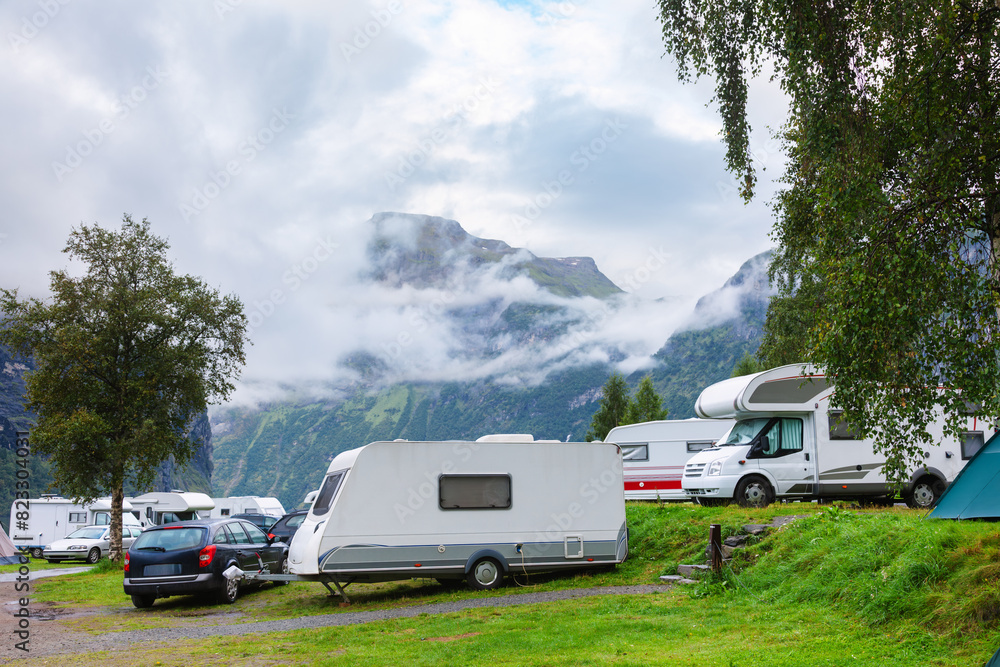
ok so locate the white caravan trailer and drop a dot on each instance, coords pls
(788, 443)
(247, 505)
(462, 510)
(52, 518)
(159, 507)
(654, 453)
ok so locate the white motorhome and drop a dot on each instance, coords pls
(247, 505)
(52, 518)
(463, 510)
(654, 453)
(789, 443)
(159, 507)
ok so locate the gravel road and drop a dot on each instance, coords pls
(51, 638)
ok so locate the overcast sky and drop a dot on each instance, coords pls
(258, 138)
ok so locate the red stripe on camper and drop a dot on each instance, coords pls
(653, 484)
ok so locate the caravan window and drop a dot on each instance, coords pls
(840, 428)
(635, 452)
(972, 442)
(327, 492)
(474, 492)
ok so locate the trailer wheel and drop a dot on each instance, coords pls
(143, 601)
(485, 575)
(94, 555)
(36, 553)
(925, 493)
(754, 491)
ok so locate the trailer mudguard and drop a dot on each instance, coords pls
(486, 553)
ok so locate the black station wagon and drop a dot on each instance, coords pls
(190, 557)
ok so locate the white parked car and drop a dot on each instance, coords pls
(88, 544)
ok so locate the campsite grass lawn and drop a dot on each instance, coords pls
(839, 587)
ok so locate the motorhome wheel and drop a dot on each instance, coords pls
(94, 555)
(754, 492)
(925, 493)
(485, 575)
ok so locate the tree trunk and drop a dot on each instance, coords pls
(117, 501)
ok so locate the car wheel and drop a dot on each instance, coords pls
(143, 601)
(94, 555)
(485, 575)
(230, 591)
(754, 491)
(282, 569)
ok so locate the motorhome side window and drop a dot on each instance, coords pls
(782, 438)
(81, 517)
(840, 428)
(328, 492)
(972, 442)
(474, 492)
(698, 445)
(635, 452)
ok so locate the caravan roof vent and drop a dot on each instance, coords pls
(507, 437)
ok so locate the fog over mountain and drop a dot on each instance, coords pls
(415, 298)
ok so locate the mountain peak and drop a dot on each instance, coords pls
(428, 251)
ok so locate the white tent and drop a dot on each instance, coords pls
(8, 552)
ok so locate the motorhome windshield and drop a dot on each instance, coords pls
(744, 431)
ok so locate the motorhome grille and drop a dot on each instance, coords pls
(694, 469)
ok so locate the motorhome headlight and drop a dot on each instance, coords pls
(715, 468)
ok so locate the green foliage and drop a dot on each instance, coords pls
(126, 357)
(748, 365)
(646, 405)
(890, 218)
(613, 408)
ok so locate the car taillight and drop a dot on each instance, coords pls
(270, 535)
(126, 561)
(206, 555)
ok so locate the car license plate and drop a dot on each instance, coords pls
(161, 570)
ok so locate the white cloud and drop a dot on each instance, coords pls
(485, 102)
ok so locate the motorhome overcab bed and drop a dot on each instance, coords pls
(789, 443)
(654, 454)
(472, 511)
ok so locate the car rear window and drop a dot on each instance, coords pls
(170, 539)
